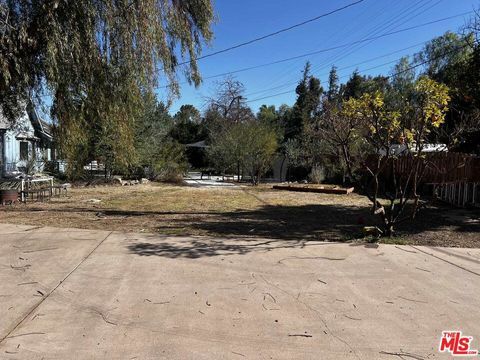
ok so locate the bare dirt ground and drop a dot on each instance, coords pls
(239, 212)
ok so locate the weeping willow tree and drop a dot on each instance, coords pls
(93, 59)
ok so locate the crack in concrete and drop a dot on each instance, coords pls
(448, 262)
(33, 308)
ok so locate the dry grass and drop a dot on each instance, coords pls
(239, 212)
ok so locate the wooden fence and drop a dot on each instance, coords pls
(460, 194)
(440, 168)
(455, 177)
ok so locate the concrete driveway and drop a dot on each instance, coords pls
(82, 294)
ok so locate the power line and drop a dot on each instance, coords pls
(404, 17)
(274, 33)
(339, 35)
(332, 48)
(346, 67)
(386, 77)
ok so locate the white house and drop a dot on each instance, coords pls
(28, 141)
(402, 149)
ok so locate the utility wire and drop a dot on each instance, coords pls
(380, 28)
(346, 67)
(332, 48)
(340, 35)
(273, 33)
(403, 18)
(386, 77)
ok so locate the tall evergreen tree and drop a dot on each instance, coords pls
(333, 86)
(309, 92)
(354, 86)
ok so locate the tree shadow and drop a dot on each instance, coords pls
(313, 222)
(208, 247)
(274, 227)
(439, 216)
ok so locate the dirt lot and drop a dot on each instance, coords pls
(238, 212)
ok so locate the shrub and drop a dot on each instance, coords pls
(317, 175)
(169, 163)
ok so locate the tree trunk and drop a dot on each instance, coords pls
(389, 229)
(281, 168)
(346, 157)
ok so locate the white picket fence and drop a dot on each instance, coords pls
(462, 194)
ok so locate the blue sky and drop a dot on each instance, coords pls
(240, 21)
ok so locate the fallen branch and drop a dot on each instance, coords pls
(402, 354)
(409, 251)
(46, 249)
(309, 258)
(20, 267)
(413, 300)
(274, 300)
(26, 334)
(301, 335)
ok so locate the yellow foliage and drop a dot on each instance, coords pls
(435, 101)
(384, 125)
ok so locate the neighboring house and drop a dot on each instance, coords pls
(27, 142)
(401, 149)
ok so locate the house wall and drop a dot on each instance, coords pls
(280, 168)
(23, 128)
(23, 131)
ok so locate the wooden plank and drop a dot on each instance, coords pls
(338, 191)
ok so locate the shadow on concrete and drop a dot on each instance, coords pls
(194, 249)
(243, 231)
(292, 226)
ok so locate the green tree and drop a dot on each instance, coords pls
(269, 116)
(333, 85)
(449, 59)
(95, 59)
(187, 125)
(260, 141)
(309, 92)
(354, 87)
(245, 146)
(446, 56)
(384, 128)
(403, 77)
(159, 156)
(152, 129)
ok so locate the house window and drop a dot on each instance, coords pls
(23, 150)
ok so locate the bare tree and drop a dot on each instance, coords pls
(229, 101)
(339, 135)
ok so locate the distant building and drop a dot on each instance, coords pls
(28, 141)
(401, 149)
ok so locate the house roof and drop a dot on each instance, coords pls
(4, 123)
(42, 129)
